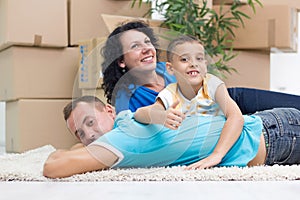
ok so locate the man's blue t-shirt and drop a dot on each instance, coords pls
(140, 96)
(153, 145)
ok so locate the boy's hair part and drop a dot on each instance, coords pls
(178, 41)
(87, 99)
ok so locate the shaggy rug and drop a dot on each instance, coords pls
(28, 166)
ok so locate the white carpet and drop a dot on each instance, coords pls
(28, 167)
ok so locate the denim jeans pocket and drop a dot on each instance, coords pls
(285, 152)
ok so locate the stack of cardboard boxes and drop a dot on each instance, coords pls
(49, 53)
(39, 62)
(272, 26)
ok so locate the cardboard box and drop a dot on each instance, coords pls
(31, 72)
(253, 70)
(271, 26)
(32, 123)
(90, 61)
(33, 23)
(291, 3)
(95, 92)
(227, 2)
(86, 21)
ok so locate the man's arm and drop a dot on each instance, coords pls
(64, 163)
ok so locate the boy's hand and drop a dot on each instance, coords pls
(173, 117)
(207, 162)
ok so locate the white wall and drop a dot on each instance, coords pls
(285, 70)
(285, 73)
(2, 123)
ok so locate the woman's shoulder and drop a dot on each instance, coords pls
(161, 69)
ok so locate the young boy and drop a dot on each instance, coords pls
(195, 93)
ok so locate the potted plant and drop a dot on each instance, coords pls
(215, 29)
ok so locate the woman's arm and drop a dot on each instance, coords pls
(64, 163)
(230, 133)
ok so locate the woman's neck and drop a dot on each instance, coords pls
(152, 81)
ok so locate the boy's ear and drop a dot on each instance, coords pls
(169, 68)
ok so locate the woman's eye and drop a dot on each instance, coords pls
(134, 46)
(200, 58)
(147, 41)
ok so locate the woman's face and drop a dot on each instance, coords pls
(139, 52)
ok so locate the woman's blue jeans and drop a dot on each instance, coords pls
(251, 100)
(283, 130)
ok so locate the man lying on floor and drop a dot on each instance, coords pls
(110, 141)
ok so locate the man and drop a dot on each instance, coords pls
(120, 141)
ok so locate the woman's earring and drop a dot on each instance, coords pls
(123, 70)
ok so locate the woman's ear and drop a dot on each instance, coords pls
(121, 63)
(169, 68)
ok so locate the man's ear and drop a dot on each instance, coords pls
(169, 68)
(111, 110)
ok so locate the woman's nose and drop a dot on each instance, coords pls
(146, 48)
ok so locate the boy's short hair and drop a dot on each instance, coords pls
(177, 41)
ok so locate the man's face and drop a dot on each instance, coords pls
(88, 123)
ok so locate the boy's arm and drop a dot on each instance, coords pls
(64, 163)
(156, 114)
(230, 133)
(152, 114)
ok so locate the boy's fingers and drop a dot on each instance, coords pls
(175, 104)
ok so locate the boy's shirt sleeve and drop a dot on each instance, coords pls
(167, 95)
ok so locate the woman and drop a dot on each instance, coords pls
(133, 77)
(133, 47)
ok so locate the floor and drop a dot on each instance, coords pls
(287, 190)
(150, 190)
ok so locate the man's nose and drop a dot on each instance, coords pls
(91, 135)
(89, 132)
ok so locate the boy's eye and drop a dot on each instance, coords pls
(200, 58)
(184, 59)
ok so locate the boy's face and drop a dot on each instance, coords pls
(88, 123)
(188, 63)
